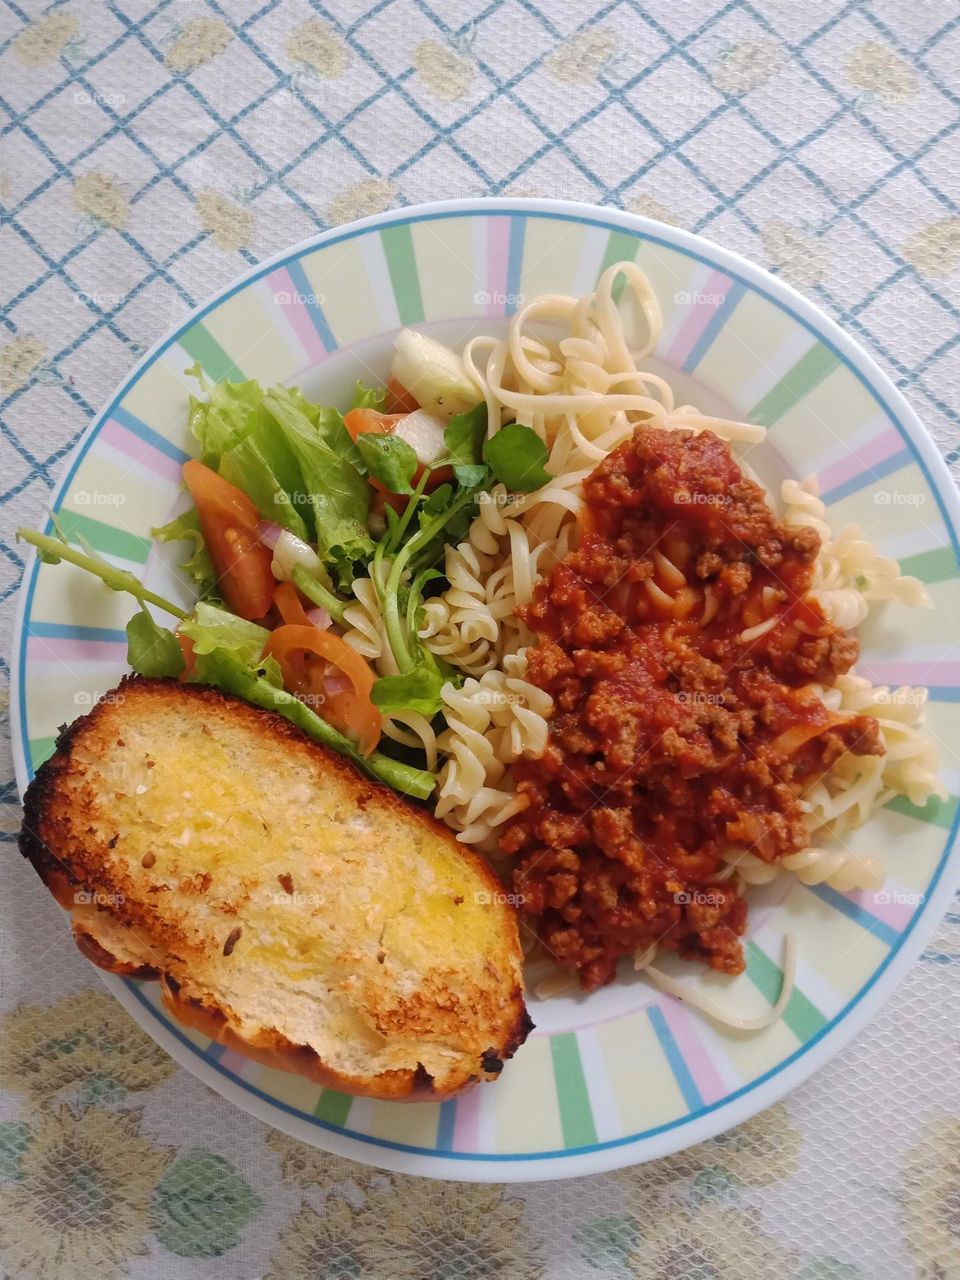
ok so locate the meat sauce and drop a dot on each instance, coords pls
(676, 643)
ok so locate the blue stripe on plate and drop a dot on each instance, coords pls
(147, 434)
(853, 911)
(719, 318)
(691, 1094)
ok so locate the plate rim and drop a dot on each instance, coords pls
(751, 1098)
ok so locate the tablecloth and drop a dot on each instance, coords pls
(150, 152)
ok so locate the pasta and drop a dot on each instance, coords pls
(567, 371)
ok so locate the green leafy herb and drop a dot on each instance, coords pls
(388, 459)
(516, 456)
(198, 566)
(368, 397)
(52, 550)
(152, 650)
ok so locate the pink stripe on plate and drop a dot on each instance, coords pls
(131, 446)
(233, 1062)
(893, 907)
(498, 258)
(706, 301)
(44, 649)
(466, 1124)
(919, 672)
(287, 296)
(695, 1054)
(860, 458)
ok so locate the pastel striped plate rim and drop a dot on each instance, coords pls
(645, 1077)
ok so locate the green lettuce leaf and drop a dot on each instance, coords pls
(338, 494)
(152, 650)
(198, 566)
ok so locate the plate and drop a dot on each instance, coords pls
(627, 1074)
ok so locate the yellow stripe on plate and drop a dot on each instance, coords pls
(643, 1085)
(247, 330)
(526, 1114)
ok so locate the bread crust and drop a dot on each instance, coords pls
(45, 831)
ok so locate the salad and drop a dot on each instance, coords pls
(295, 502)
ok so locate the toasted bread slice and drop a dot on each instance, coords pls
(291, 908)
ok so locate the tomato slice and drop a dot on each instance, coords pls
(228, 522)
(366, 422)
(399, 399)
(289, 605)
(360, 422)
(296, 649)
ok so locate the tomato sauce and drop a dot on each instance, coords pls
(678, 643)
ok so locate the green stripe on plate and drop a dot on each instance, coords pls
(402, 265)
(333, 1107)
(41, 749)
(576, 1117)
(105, 537)
(931, 566)
(200, 343)
(620, 246)
(802, 1016)
(936, 812)
(809, 370)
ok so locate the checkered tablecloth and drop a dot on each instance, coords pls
(150, 152)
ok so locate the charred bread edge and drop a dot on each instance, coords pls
(269, 1047)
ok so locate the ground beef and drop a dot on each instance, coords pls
(673, 738)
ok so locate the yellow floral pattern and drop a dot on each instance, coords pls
(935, 249)
(709, 1241)
(580, 59)
(418, 1231)
(81, 1203)
(44, 40)
(373, 195)
(307, 1167)
(931, 1178)
(443, 71)
(78, 1043)
(798, 256)
(316, 45)
(200, 40)
(99, 196)
(18, 361)
(230, 224)
(747, 66)
(877, 70)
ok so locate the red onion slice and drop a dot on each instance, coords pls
(319, 617)
(269, 533)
